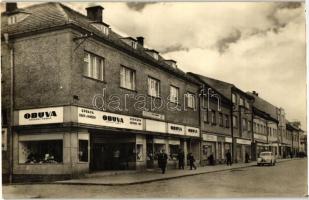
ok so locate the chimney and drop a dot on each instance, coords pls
(255, 93)
(10, 7)
(95, 13)
(140, 40)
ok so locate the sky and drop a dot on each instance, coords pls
(256, 46)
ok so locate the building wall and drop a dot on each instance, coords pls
(85, 88)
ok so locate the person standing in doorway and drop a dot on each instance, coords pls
(228, 158)
(247, 157)
(191, 161)
(181, 158)
(162, 160)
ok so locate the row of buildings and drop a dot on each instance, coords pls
(77, 98)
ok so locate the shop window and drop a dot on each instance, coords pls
(139, 152)
(174, 150)
(93, 66)
(41, 152)
(83, 150)
(157, 150)
(127, 78)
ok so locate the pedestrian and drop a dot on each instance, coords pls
(162, 160)
(247, 157)
(228, 158)
(191, 161)
(211, 159)
(181, 158)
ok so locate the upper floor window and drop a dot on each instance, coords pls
(235, 124)
(190, 100)
(241, 101)
(246, 104)
(234, 100)
(206, 115)
(213, 117)
(174, 94)
(127, 78)
(103, 28)
(227, 122)
(153, 87)
(12, 19)
(254, 127)
(244, 124)
(249, 126)
(220, 119)
(93, 66)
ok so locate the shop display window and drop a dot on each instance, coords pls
(41, 152)
(139, 152)
(83, 150)
(173, 153)
(157, 150)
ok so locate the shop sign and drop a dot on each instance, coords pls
(158, 141)
(175, 129)
(212, 138)
(100, 118)
(155, 126)
(242, 141)
(191, 131)
(228, 140)
(41, 116)
(260, 137)
(4, 133)
(153, 115)
(174, 142)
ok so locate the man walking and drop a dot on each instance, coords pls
(162, 160)
(228, 158)
(181, 157)
(191, 161)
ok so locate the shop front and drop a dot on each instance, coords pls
(227, 146)
(243, 149)
(209, 149)
(261, 144)
(65, 142)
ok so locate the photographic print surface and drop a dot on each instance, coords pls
(153, 99)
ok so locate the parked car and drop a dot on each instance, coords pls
(266, 157)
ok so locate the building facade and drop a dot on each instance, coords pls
(85, 99)
(215, 123)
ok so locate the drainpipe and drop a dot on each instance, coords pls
(11, 48)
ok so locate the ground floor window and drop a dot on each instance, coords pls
(139, 152)
(174, 150)
(83, 150)
(47, 151)
(157, 150)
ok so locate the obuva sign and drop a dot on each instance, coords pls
(109, 118)
(41, 116)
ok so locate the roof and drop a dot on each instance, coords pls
(264, 106)
(54, 14)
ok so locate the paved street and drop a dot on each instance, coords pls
(286, 179)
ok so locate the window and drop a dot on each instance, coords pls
(12, 19)
(246, 104)
(174, 150)
(234, 98)
(220, 119)
(103, 28)
(249, 126)
(93, 66)
(153, 87)
(174, 94)
(139, 152)
(190, 100)
(43, 152)
(83, 150)
(206, 115)
(227, 123)
(241, 101)
(235, 122)
(244, 124)
(134, 44)
(254, 127)
(213, 117)
(127, 78)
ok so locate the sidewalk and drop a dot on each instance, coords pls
(155, 175)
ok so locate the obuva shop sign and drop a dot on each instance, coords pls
(114, 119)
(41, 116)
